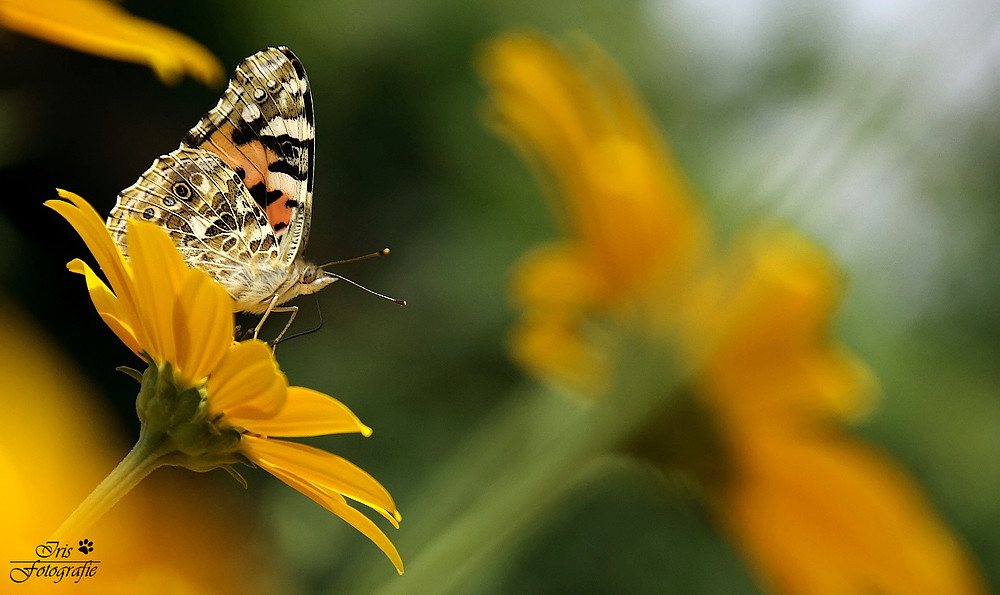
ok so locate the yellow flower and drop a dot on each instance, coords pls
(206, 400)
(814, 511)
(105, 29)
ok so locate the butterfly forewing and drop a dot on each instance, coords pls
(263, 129)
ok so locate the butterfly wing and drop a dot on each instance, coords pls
(263, 129)
(208, 212)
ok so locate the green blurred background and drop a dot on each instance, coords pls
(872, 126)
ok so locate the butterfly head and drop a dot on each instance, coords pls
(309, 278)
(312, 278)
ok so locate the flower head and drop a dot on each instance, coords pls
(814, 510)
(209, 401)
(104, 28)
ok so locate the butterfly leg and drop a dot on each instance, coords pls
(294, 310)
(263, 319)
(271, 309)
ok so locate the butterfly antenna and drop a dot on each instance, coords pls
(382, 252)
(360, 286)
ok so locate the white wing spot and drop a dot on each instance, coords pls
(199, 225)
(251, 112)
(278, 126)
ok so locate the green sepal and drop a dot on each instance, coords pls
(168, 406)
(130, 372)
(237, 476)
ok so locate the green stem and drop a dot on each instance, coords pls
(521, 471)
(144, 457)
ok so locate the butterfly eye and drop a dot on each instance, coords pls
(182, 190)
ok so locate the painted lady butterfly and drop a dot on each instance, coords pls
(236, 197)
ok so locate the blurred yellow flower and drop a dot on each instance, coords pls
(161, 539)
(206, 400)
(103, 28)
(814, 512)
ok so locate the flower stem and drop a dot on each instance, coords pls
(144, 457)
(539, 452)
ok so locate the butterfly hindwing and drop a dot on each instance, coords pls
(207, 210)
(263, 129)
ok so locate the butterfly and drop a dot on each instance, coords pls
(236, 196)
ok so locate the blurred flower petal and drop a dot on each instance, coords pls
(553, 349)
(828, 515)
(769, 322)
(590, 138)
(105, 29)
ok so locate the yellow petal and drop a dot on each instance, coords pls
(583, 128)
(552, 348)
(825, 515)
(105, 29)
(306, 413)
(90, 226)
(336, 504)
(321, 468)
(247, 383)
(203, 318)
(774, 354)
(556, 277)
(107, 305)
(157, 268)
(542, 104)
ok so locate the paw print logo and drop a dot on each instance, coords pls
(86, 546)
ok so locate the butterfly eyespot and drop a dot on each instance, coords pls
(272, 84)
(259, 94)
(181, 191)
(198, 180)
(148, 213)
(168, 201)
